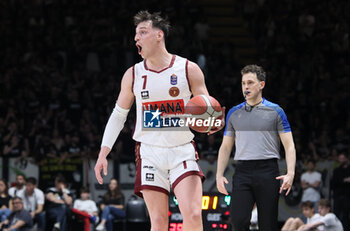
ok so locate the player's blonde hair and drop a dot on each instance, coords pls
(156, 19)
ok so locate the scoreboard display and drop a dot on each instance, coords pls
(215, 212)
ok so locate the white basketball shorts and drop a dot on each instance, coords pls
(158, 168)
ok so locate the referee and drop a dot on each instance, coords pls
(256, 127)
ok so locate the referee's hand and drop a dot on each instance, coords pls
(220, 184)
(287, 183)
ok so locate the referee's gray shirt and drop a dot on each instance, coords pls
(256, 130)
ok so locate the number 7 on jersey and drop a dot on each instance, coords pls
(144, 81)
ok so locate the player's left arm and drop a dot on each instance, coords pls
(196, 79)
(289, 148)
(198, 87)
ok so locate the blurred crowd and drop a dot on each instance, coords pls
(24, 205)
(62, 62)
(304, 47)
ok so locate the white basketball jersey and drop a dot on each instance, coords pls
(159, 93)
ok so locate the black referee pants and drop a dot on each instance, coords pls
(255, 181)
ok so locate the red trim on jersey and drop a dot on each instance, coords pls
(132, 89)
(133, 78)
(170, 65)
(133, 130)
(186, 174)
(188, 81)
(185, 164)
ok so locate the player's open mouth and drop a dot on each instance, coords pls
(139, 48)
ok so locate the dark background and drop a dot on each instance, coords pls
(62, 62)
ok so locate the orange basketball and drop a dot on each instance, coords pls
(204, 113)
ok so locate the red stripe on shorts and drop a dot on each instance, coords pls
(154, 188)
(137, 189)
(186, 174)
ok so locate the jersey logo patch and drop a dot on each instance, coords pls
(173, 79)
(149, 177)
(174, 91)
(151, 119)
(145, 94)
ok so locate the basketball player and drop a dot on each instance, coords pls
(163, 83)
(256, 127)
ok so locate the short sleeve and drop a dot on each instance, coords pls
(328, 220)
(229, 129)
(11, 192)
(93, 206)
(40, 197)
(283, 125)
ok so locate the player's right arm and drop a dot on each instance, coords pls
(115, 123)
(223, 158)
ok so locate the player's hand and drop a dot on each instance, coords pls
(287, 182)
(216, 129)
(101, 163)
(220, 184)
